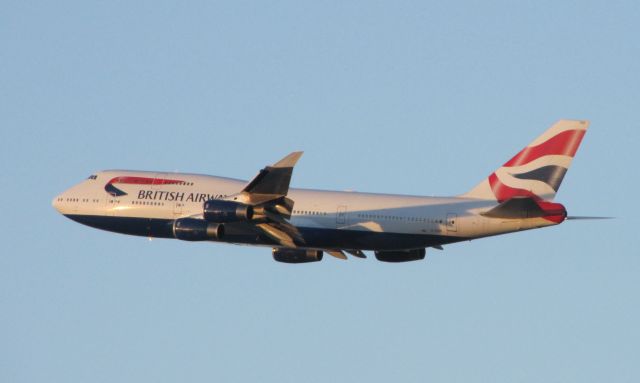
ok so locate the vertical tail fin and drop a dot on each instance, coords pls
(537, 170)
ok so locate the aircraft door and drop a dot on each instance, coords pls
(109, 204)
(177, 209)
(341, 215)
(452, 222)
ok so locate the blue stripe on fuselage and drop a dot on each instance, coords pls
(244, 233)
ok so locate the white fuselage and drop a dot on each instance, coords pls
(345, 219)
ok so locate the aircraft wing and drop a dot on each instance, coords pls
(267, 193)
(272, 182)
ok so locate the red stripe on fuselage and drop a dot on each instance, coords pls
(565, 144)
(143, 181)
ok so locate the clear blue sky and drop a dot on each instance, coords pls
(402, 97)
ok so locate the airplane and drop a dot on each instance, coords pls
(300, 225)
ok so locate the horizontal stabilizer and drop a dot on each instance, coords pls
(525, 207)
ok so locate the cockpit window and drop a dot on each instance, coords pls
(92, 177)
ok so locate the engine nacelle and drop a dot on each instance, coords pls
(227, 211)
(296, 256)
(400, 255)
(192, 229)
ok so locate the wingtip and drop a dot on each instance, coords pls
(289, 161)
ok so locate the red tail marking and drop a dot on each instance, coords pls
(504, 192)
(565, 143)
(554, 212)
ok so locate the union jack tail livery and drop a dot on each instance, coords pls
(537, 170)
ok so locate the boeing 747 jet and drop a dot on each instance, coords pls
(300, 225)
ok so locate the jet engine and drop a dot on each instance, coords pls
(400, 255)
(296, 255)
(192, 229)
(227, 211)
